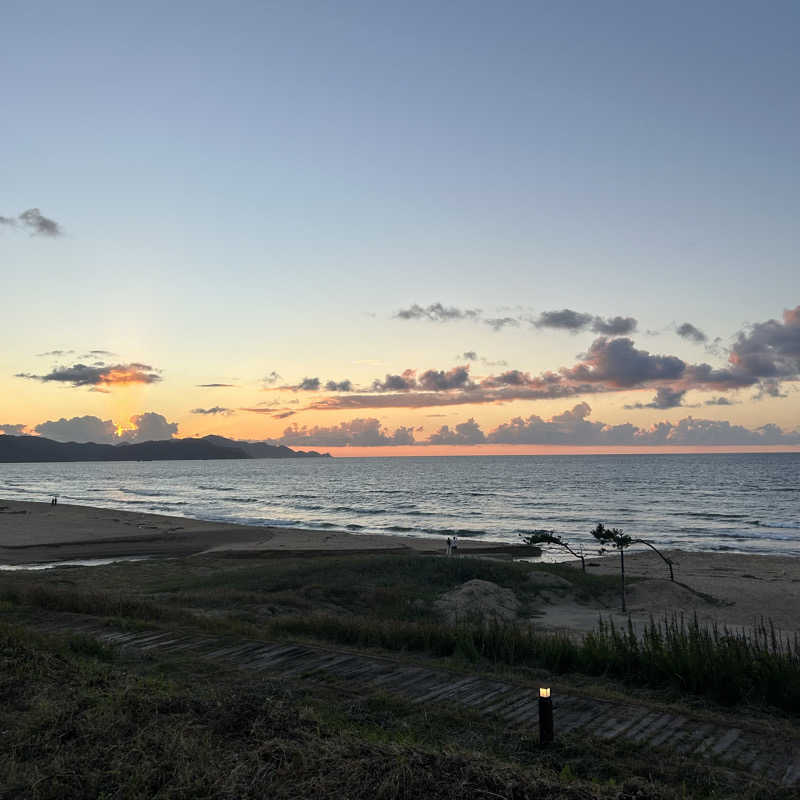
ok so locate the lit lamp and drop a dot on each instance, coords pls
(545, 716)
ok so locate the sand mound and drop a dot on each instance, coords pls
(477, 599)
(659, 596)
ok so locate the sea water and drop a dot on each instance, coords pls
(717, 502)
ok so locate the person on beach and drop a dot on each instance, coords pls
(454, 546)
(449, 546)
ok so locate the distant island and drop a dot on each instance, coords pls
(17, 449)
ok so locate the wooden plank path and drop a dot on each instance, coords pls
(745, 748)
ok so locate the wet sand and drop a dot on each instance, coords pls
(34, 533)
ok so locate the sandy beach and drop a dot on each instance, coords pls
(735, 590)
(35, 533)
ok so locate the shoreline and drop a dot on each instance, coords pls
(34, 533)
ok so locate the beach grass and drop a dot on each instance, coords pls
(82, 721)
(386, 602)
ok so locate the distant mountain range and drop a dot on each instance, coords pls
(37, 448)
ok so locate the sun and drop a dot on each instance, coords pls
(121, 428)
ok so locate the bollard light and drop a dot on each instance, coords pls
(545, 716)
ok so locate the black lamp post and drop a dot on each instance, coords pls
(545, 716)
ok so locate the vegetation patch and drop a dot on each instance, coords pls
(80, 724)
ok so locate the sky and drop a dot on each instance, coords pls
(392, 228)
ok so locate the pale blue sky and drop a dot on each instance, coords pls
(241, 184)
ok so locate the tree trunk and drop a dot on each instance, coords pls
(622, 573)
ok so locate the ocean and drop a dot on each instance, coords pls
(715, 502)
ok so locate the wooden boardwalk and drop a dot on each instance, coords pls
(747, 748)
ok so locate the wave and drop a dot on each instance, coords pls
(142, 492)
(465, 532)
(756, 537)
(795, 524)
(711, 515)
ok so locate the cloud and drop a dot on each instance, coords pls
(152, 427)
(762, 357)
(666, 397)
(283, 414)
(564, 319)
(98, 375)
(769, 387)
(574, 321)
(477, 396)
(498, 323)
(688, 331)
(272, 378)
(35, 222)
(57, 353)
(214, 385)
(618, 363)
(609, 365)
(720, 401)
(145, 427)
(38, 224)
(770, 349)
(512, 377)
(340, 386)
(614, 326)
(436, 312)
(572, 427)
(471, 355)
(214, 410)
(431, 380)
(468, 432)
(445, 380)
(691, 431)
(356, 432)
(396, 383)
(307, 385)
(13, 429)
(79, 429)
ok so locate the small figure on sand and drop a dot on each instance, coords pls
(449, 546)
(54, 501)
(454, 546)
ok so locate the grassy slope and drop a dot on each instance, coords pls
(77, 722)
(81, 722)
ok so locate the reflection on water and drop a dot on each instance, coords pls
(81, 562)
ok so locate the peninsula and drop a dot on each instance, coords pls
(19, 449)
